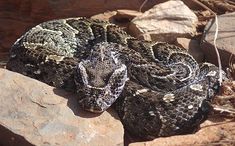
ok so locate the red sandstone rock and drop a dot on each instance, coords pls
(210, 134)
(37, 114)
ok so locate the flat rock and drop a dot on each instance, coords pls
(225, 40)
(211, 133)
(128, 14)
(121, 17)
(106, 16)
(33, 113)
(118, 14)
(165, 22)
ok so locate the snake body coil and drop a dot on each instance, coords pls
(161, 90)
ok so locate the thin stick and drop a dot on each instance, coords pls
(216, 49)
(142, 5)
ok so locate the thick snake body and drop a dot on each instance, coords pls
(160, 89)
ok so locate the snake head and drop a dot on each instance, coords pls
(103, 78)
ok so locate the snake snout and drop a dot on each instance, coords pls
(96, 100)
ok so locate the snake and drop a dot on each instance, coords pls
(157, 88)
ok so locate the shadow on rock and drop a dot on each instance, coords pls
(77, 110)
(8, 138)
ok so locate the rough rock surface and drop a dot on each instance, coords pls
(211, 133)
(33, 113)
(192, 46)
(121, 17)
(225, 41)
(119, 14)
(165, 22)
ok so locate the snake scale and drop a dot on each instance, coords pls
(160, 89)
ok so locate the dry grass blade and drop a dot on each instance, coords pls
(216, 49)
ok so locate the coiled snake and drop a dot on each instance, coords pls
(161, 89)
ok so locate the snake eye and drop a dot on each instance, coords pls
(216, 87)
(206, 107)
(107, 77)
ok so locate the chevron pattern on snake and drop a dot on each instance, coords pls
(160, 89)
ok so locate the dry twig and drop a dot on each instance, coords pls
(142, 5)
